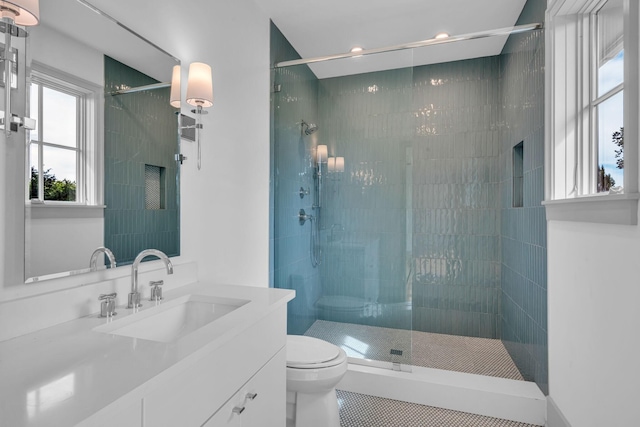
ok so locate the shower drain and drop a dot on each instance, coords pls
(396, 352)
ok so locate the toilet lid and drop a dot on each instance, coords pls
(309, 352)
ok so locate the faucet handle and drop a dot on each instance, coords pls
(156, 290)
(108, 305)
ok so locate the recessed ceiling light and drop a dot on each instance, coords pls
(442, 35)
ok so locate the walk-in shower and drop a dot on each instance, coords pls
(419, 248)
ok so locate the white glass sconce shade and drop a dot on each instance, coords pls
(23, 12)
(321, 154)
(331, 164)
(174, 99)
(200, 86)
(339, 164)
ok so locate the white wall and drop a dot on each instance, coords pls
(594, 314)
(594, 298)
(224, 206)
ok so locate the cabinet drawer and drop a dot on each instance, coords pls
(261, 402)
(192, 394)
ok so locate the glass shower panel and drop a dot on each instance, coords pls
(348, 255)
(366, 292)
(293, 168)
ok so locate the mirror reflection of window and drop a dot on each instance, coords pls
(55, 146)
(63, 147)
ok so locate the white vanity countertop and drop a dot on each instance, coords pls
(61, 375)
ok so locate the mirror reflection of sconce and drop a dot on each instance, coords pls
(199, 95)
(15, 12)
(335, 167)
(335, 164)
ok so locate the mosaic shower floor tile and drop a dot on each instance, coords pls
(454, 353)
(360, 410)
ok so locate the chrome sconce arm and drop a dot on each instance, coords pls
(198, 111)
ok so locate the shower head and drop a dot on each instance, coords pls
(308, 128)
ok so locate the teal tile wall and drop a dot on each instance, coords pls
(456, 186)
(523, 230)
(291, 168)
(140, 129)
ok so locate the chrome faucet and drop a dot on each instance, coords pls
(134, 296)
(93, 263)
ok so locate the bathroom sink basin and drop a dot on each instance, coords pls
(174, 319)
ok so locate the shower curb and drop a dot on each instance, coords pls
(512, 400)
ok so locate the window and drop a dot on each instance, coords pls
(591, 100)
(63, 149)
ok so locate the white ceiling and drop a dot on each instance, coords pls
(325, 27)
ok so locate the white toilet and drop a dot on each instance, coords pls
(314, 367)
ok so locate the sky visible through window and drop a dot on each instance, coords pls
(610, 74)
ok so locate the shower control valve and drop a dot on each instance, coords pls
(303, 192)
(304, 217)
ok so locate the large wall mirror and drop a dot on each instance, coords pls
(101, 167)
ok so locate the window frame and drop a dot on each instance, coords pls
(89, 134)
(570, 183)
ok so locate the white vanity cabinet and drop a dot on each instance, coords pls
(256, 403)
(98, 377)
(205, 391)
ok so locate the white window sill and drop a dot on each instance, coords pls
(62, 210)
(621, 209)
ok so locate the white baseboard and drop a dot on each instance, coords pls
(477, 394)
(555, 417)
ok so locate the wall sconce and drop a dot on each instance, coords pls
(199, 95)
(321, 154)
(15, 12)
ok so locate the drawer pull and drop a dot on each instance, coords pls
(238, 410)
(252, 396)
